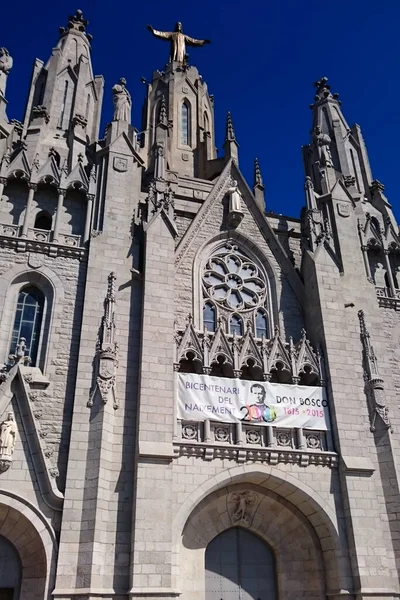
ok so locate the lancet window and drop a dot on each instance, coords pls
(209, 320)
(28, 321)
(185, 123)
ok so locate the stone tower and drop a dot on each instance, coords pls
(198, 397)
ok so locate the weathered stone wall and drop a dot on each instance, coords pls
(62, 281)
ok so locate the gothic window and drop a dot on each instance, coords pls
(233, 280)
(28, 321)
(236, 325)
(63, 106)
(185, 123)
(209, 317)
(262, 329)
(239, 566)
(43, 221)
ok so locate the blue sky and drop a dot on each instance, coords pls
(261, 66)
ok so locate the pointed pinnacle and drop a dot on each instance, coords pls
(162, 117)
(229, 131)
(258, 181)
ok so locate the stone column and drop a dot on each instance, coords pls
(61, 196)
(366, 263)
(390, 274)
(32, 189)
(89, 210)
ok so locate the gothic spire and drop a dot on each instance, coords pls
(229, 130)
(258, 181)
(231, 146)
(336, 151)
(258, 186)
(162, 117)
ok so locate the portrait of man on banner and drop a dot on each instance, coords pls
(257, 409)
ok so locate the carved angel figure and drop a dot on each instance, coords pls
(6, 63)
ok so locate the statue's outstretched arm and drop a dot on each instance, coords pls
(193, 42)
(166, 35)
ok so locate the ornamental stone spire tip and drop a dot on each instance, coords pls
(229, 131)
(258, 180)
(77, 24)
(323, 92)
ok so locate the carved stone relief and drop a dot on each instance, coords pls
(242, 506)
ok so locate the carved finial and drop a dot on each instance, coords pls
(376, 186)
(258, 181)
(111, 287)
(323, 90)
(229, 131)
(36, 162)
(76, 23)
(162, 117)
(92, 174)
(7, 156)
(308, 184)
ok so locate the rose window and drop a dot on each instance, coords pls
(233, 280)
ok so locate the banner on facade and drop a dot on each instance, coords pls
(202, 397)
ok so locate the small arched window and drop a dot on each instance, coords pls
(209, 317)
(185, 123)
(262, 329)
(43, 221)
(28, 321)
(236, 325)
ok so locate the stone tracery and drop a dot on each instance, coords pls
(233, 280)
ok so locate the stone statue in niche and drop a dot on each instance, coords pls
(323, 142)
(122, 102)
(6, 63)
(235, 214)
(380, 275)
(8, 432)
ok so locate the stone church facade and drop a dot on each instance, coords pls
(136, 263)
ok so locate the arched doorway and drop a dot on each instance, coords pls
(10, 571)
(239, 566)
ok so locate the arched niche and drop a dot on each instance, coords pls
(293, 519)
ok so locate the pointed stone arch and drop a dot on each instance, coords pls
(26, 528)
(297, 513)
(50, 285)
